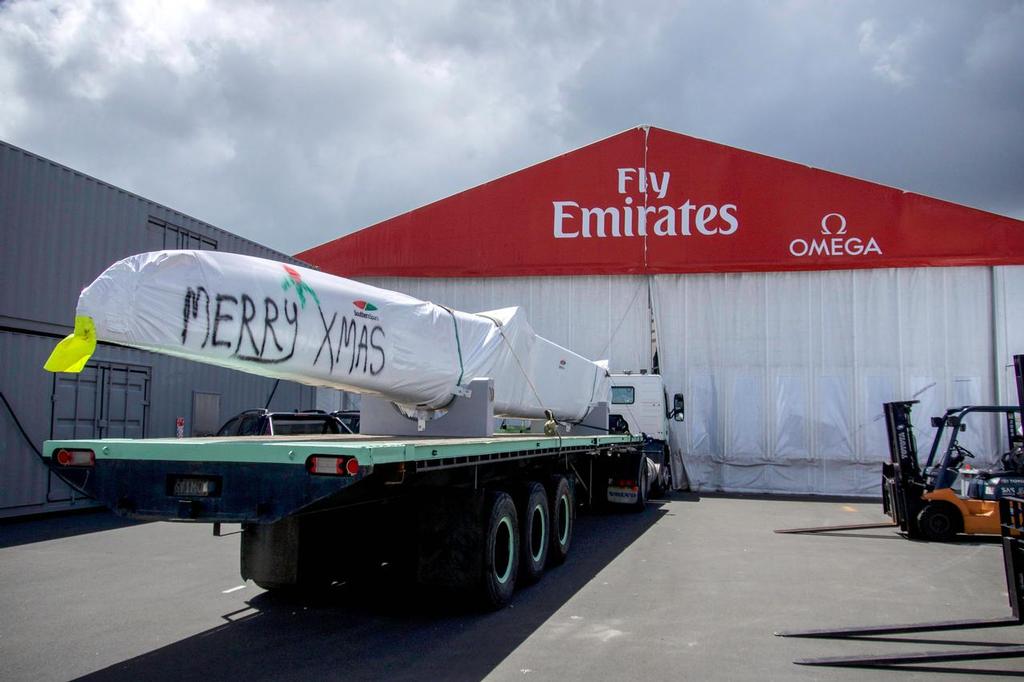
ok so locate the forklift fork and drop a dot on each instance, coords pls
(1012, 529)
(829, 529)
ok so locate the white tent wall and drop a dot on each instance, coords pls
(597, 317)
(1008, 285)
(786, 373)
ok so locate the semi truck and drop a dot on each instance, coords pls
(427, 485)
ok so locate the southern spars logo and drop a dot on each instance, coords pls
(365, 309)
(294, 279)
(834, 241)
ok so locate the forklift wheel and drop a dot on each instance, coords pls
(939, 522)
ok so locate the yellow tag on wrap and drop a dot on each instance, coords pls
(74, 351)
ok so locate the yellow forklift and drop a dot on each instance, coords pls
(921, 499)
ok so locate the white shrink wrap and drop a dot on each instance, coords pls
(289, 322)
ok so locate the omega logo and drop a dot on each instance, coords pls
(833, 241)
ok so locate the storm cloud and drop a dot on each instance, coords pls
(294, 123)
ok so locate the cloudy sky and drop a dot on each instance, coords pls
(292, 123)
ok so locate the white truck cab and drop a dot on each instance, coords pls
(641, 400)
(639, 404)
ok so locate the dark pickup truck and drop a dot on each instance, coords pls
(267, 423)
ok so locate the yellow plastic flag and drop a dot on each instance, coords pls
(74, 351)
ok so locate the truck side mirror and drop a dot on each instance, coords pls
(678, 407)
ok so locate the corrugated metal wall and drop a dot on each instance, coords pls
(59, 230)
(62, 228)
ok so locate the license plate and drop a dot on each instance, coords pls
(622, 495)
(194, 487)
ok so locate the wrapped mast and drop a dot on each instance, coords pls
(289, 322)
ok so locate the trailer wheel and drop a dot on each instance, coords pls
(535, 531)
(501, 551)
(641, 486)
(663, 485)
(939, 522)
(563, 514)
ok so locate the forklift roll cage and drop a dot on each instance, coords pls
(944, 475)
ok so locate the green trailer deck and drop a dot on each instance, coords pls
(368, 450)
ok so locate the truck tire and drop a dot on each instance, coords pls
(939, 522)
(563, 517)
(641, 486)
(535, 531)
(663, 485)
(501, 551)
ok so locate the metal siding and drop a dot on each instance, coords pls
(59, 230)
(173, 381)
(23, 478)
(62, 228)
(26, 486)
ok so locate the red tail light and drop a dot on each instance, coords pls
(75, 458)
(332, 466)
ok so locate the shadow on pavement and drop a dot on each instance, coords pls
(685, 496)
(380, 630)
(15, 532)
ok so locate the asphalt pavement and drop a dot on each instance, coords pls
(691, 589)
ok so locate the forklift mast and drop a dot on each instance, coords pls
(902, 444)
(902, 480)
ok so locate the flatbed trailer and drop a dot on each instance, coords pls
(436, 492)
(471, 513)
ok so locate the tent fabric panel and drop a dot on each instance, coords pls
(1008, 331)
(785, 373)
(792, 402)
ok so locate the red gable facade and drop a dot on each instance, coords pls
(650, 201)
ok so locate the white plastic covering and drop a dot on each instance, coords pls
(293, 323)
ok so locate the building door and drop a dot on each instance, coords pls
(104, 400)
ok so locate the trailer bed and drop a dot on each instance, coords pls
(262, 479)
(369, 450)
